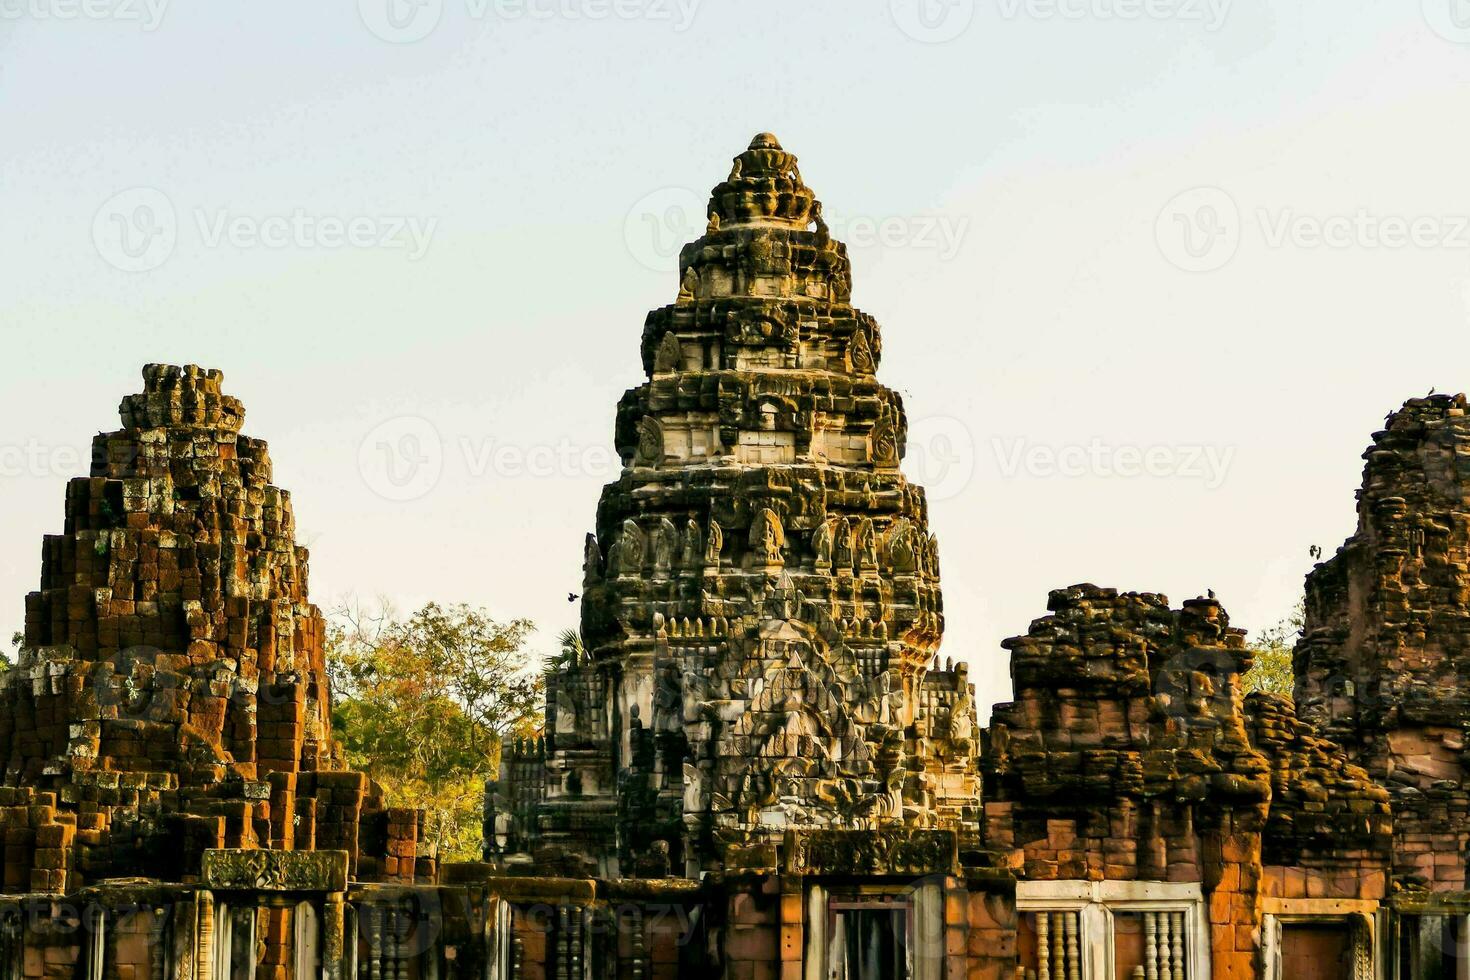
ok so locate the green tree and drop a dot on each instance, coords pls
(1272, 647)
(422, 705)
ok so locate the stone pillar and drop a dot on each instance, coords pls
(934, 914)
(791, 927)
(1232, 868)
(204, 937)
(333, 945)
(184, 938)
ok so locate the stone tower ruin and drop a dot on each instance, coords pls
(761, 603)
(171, 696)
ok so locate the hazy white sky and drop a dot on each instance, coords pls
(1150, 271)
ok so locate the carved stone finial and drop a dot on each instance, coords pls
(764, 187)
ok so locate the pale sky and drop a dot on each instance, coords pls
(1150, 272)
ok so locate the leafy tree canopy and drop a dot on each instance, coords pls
(422, 705)
(1272, 647)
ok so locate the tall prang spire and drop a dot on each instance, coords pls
(761, 603)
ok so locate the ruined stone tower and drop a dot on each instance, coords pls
(171, 695)
(761, 604)
(1384, 663)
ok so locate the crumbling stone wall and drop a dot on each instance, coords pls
(1329, 828)
(1123, 710)
(1383, 667)
(171, 694)
(1131, 754)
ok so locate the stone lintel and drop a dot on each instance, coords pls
(1431, 903)
(259, 870)
(649, 889)
(576, 890)
(1324, 908)
(1062, 893)
(871, 852)
(579, 890)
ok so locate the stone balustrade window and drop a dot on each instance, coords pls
(1050, 945)
(1112, 930)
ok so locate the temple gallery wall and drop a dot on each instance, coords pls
(763, 766)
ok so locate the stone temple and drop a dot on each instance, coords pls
(761, 766)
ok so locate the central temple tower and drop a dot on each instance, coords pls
(761, 604)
